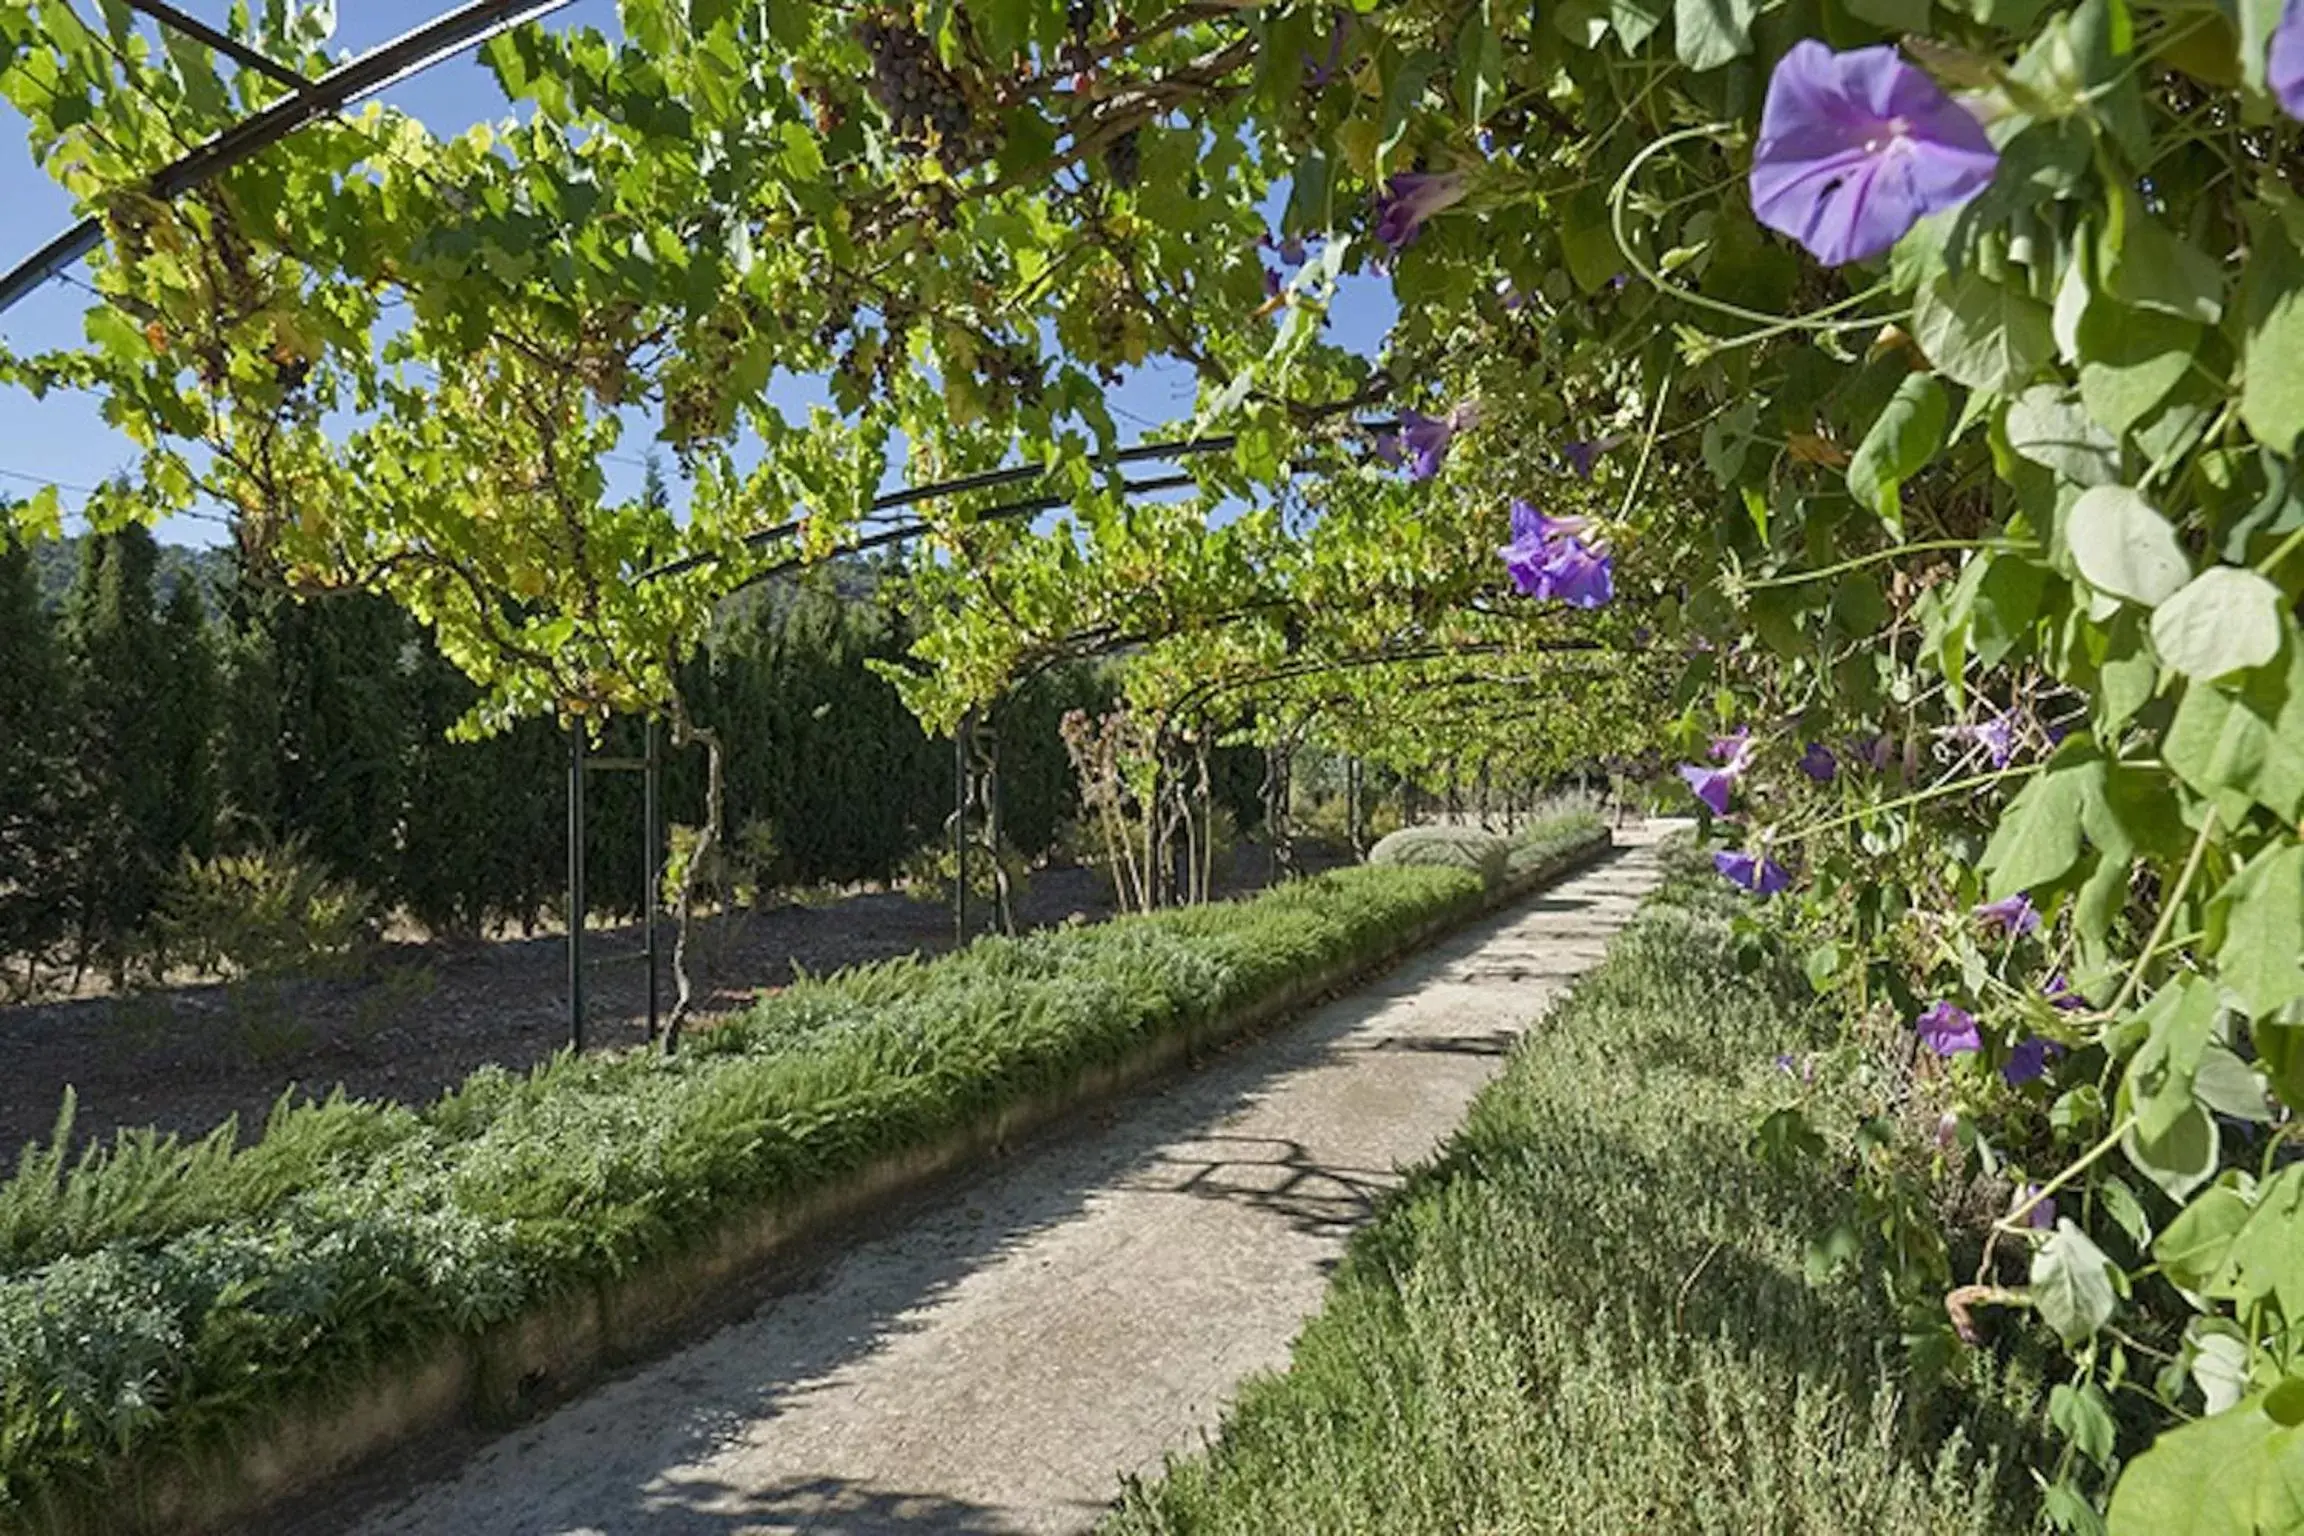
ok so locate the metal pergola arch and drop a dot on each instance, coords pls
(378, 69)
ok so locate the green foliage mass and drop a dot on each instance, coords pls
(154, 1294)
(1589, 1312)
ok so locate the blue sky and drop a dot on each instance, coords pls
(64, 440)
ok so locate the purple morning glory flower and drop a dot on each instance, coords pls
(2284, 67)
(1763, 877)
(1511, 298)
(1577, 574)
(1947, 1131)
(2028, 1061)
(1424, 439)
(2043, 1217)
(1388, 449)
(2060, 995)
(1857, 147)
(1411, 198)
(1734, 750)
(1713, 786)
(2012, 915)
(1947, 1030)
(1271, 283)
(1582, 456)
(1548, 558)
(1997, 736)
(1819, 763)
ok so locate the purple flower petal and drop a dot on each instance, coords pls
(1819, 763)
(1410, 199)
(1947, 1030)
(1271, 283)
(2060, 995)
(2012, 915)
(2028, 1061)
(1577, 574)
(1317, 73)
(1763, 877)
(2284, 67)
(1546, 559)
(1426, 439)
(2043, 1215)
(1855, 148)
(1713, 786)
(1998, 738)
(1582, 456)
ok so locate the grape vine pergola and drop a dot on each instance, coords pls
(309, 101)
(1962, 511)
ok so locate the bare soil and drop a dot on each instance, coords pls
(421, 1016)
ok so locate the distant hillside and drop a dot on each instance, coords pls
(57, 560)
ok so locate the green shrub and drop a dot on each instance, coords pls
(155, 1294)
(1591, 1313)
(1483, 853)
(271, 911)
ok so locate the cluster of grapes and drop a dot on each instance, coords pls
(921, 97)
(1124, 158)
(238, 288)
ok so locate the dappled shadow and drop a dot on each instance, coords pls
(1497, 1042)
(1266, 1173)
(666, 1449)
(821, 1506)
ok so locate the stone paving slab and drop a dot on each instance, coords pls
(995, 1361)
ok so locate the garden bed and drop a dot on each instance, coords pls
(187, 1333)
(1592, 1311)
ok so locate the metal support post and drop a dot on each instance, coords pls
(652, 863)
(576, 892)
(960, 778)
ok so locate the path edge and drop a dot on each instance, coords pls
(515, 1370)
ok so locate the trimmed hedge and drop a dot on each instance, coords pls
(1591, 1314)
(1538, 844)
(159, 1298)
(1467, 848)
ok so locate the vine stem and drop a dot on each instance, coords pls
(2014, 1220)
(1933, 792)
(2168, 908)
(1647, 448)
(2282, 551)
(1771, 324)
(1858, 562)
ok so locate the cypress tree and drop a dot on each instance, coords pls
(117, 655)
(36, 769)
(183, 732)
(317, 735)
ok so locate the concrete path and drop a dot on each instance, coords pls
(995, 1362)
